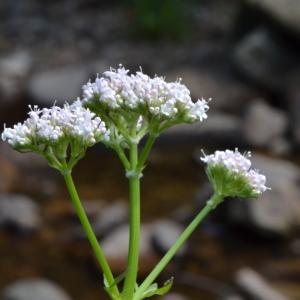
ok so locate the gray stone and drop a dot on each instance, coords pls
(277, 210)
(17, 64)
(20, 212)
(14, 69)
(165, 234)
(217, 129)
(260, 57)
(58, 85)
(254, 285)
(227, 94)
(174, 296)
(232, 297)
(34, 289)
(294, 107)
(115, 246)
(110, 217)
(104, 218)
(286, 12)
(264, 125)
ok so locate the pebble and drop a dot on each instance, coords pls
(218, 129)
(19, 212)
(263, 124)
(256, 286)
(115, 246)
(174, 296)
(165, 234)
(33, 289)
(227, 93)
(57, 86)
(110, 217)
(277, 211)
(260, 57)
(285, 12)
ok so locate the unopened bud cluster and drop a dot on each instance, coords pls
(231, 175)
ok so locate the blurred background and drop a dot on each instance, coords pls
(244, 54)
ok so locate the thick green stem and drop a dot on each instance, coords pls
(134, 239)
(99, 254)
(177, 245)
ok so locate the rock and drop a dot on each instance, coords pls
(277, 211)
(110, 217)
(8, 175)
(165, 234)
(260, 57)
(14, 69)
(219, 128)
(17, 64)
(254, 285)
(58, 85)
(23, 161)
(115, 246)
(286, 12)
(227, 94)
(264, 125)
(33, 289)
(294, 108)
(19, 212)
(174, 296)
(280, 146)
(104, 218)
(232, 297)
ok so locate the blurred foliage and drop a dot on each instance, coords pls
(157, 18)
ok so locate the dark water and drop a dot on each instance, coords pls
(170, 182)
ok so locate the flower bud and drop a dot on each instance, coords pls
(231, 175)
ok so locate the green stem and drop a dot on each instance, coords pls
(134, 239)
(122, 157)
(177, 245)
(145, 152)
(90, 234)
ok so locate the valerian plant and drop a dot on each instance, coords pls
(119, 110)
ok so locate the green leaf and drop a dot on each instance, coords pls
(154, 290)
(116, 281)
(109, 288)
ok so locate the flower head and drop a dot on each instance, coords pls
(53, 131)
(122, 99)
(231, 174)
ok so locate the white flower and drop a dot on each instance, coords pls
(51, 125)
(239, 165)
(144, 95)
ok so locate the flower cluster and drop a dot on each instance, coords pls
(151, 98)
(58, 128)
(231, 174)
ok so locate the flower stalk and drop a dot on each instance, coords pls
(119, 110)
(210, 205)
(134, 231)
(99, 254)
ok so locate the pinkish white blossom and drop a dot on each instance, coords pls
(239, 164)
(51, 125)
(117, 89)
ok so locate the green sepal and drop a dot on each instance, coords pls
(155, 290)
(228, 183)
(117, 280)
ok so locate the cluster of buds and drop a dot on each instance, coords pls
(61, 134)
(141, 104)
(231, 175)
